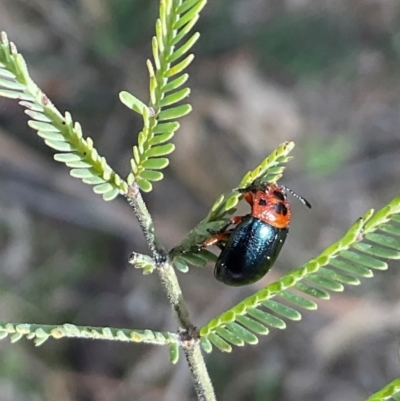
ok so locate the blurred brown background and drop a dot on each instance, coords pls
(322, 73)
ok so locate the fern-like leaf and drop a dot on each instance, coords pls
(270, 170)
(373, 237)
(389, 392)
(58, 132)
(170, 49)
(41, 333)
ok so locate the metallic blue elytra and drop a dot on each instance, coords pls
(250, 252)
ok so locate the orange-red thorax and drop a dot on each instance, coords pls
(271, 206)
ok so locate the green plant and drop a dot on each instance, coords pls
(371, 240)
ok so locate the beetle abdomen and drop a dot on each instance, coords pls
(250, 252)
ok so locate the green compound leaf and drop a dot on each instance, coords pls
(59, 132)
(170, 48)
(41, 333)
(388, 392)
(353, 256)
(268, 170)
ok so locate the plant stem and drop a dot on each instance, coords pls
(169, 280)
(200, 376)
(135, 200)
(175, 297)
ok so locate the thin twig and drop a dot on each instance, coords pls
(188, 333)
(135, 200)
(175, 297)
(198, 369)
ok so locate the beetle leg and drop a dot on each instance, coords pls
(215, 239)
(218, 237)
(233, 221)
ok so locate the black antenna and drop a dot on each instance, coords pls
(300, 198)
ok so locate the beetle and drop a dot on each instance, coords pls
(251, 247)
